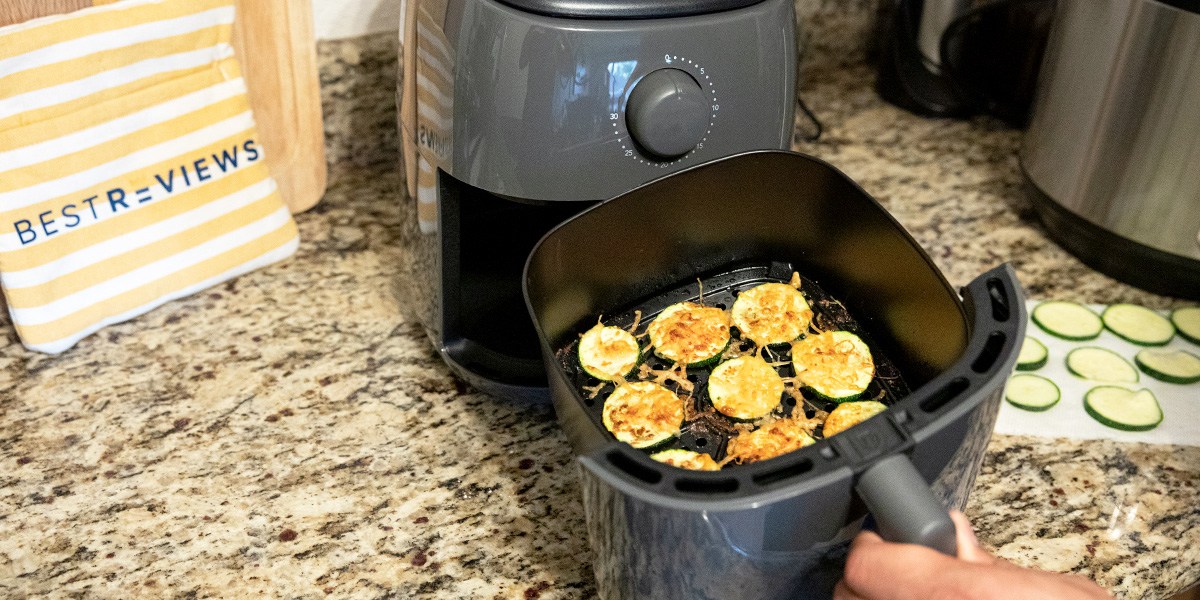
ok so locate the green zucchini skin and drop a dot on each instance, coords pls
(1113, 422)
(1078, 364)
(1144, 361)
(1025, 363)
(1187, 323)
(799, 354)
(669, 313)
(658, 428)
(1015, 397)
(833, 399)
(1117, 319)
(1043, 315)
(701, 364)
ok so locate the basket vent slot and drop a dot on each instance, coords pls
(795, 469)
(632, 468)
(943, 396)
(1001, 310)
(991, 352)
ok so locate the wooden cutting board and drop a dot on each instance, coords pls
(282, 82)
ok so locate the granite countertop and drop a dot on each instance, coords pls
(291, 434)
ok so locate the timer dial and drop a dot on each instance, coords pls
(667, 113)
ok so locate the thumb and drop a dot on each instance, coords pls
(968, 545)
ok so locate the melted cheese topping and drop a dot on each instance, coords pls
(643, 413)
(745, 388)
(836, 364)
(608, 352)
(688, 332)
(686, 459)
(771, 313)
(770, 440)
(849, 414)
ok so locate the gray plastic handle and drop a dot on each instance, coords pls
(905, 509)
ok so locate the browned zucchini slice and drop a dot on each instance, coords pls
(686, 459)
(745, 388)
(771, 313)
(773, 439)
(836, 365)
(643, 414)
(689, 333)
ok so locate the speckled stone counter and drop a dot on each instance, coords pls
(291, 434)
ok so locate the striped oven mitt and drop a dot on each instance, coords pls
(130, 170)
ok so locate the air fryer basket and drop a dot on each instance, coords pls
(777, 528)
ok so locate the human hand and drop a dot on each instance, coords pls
(879, 570)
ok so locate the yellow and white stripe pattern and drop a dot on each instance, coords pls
(130, 168)
(435, 108)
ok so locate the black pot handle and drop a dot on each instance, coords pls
(904, 507)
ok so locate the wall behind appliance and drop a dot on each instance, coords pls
(341, 19)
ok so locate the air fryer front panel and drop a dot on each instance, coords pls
(554, 109)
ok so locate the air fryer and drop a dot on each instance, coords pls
(516, 115)
(778, 528)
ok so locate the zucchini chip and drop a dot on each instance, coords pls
(770, 440)
(745, 388)
(608, 353)
(835, 365)
(689, 333)
(643, 414)
(771, 313)
(686, 459)
(850, 414)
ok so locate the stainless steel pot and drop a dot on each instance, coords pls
(1113, 149)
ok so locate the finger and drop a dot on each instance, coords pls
(968, 545)
(882, 570)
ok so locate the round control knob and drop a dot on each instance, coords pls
(667, 113)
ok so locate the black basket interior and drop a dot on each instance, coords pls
(708, 431)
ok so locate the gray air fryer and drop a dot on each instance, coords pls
(516, 115)
(777, 529)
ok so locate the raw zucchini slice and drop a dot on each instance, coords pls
(643, 414)
(1031, 392)
(771, 313)
(1101, 364)
(1033, 355)
(1122, 408)
(608, 353)
(690, 333)
(1187, 321)
(686, 459)
(745, 388)
(1171, 366)
(1068, 320)
(849, 414)
(770, 440)
(1138, 324)
(835, 365)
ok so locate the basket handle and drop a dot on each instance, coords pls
(904, 507)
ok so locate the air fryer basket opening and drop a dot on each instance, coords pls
(765, 208)
(705, 429)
